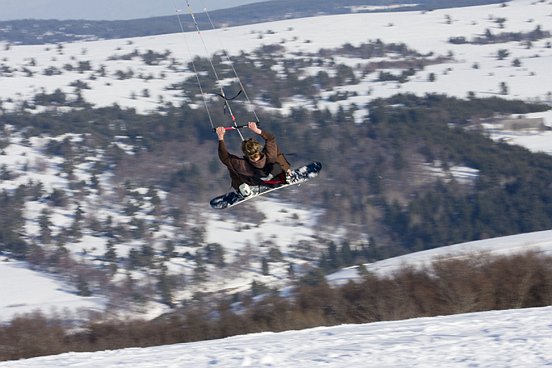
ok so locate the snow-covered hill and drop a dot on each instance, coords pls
(25, 291)
(20, 285)
(539, 242)
(475, 68)
(512, 338)
(28, 70)
(115, 71)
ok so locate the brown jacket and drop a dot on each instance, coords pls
(242, 170)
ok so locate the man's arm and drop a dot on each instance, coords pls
(231, 161)
(270, 140)
(223, 154)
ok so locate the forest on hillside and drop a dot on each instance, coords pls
(138, 184)
(378, 180)
(375, 179)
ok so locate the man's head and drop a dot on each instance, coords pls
(252, 149)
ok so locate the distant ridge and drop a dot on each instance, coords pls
(34, 31)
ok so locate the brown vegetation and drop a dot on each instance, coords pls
(448, 286)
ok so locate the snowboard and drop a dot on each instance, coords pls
(298, 176)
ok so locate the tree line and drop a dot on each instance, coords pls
(448, 286)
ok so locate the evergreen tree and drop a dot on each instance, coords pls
(83, 287)
(214, 254)
(347, 255)
(291, 271)
(165, 287)
(200, 270)
(503, 88)
(76, 226)
(110, 256)
(265, 268)
(44, 223)
(334, 260)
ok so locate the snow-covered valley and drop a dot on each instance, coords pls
(116, 72)
(26, 73)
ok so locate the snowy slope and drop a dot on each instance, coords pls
(25, 291)
(512, 338)
(540, 242)
(284, 224)
(517, 338)
(473, 68)
(425, 32)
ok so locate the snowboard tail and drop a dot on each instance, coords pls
(298, 176)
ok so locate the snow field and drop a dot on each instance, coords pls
(512, 338)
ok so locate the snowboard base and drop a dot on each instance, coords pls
(298, 176)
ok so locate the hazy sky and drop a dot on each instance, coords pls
(105, 9)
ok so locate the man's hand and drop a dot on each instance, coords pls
(220, 133)
(253, 126)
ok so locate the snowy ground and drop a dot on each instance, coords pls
(540, 242)
(279, 224)
(512, 338)
(475, 68)
(23, 290)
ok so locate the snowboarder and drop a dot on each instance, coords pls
(259, 165)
